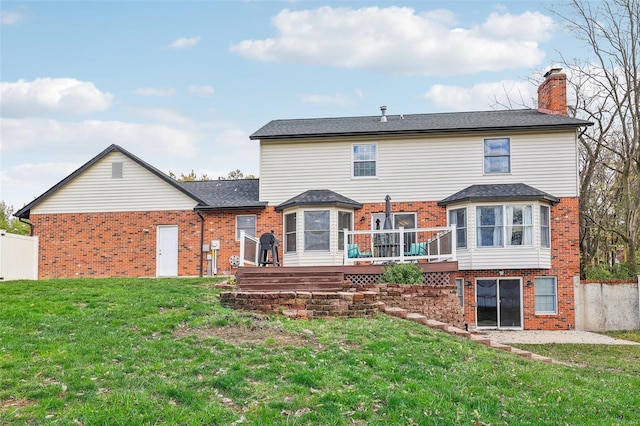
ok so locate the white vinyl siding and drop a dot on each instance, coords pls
(416, 169)
(95, 190)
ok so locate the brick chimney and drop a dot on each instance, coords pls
(552, 93)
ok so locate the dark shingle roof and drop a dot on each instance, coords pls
(416, 124)
(499, 192)
(227, 194)
(319, 197)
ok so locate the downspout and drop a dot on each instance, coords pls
(201, 240)
(20, 219)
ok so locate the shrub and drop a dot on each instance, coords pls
(619, 271)
(402, 273)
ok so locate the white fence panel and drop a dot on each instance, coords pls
(18, 257)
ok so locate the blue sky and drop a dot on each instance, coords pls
(182, 84)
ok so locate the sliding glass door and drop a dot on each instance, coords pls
(499, 303)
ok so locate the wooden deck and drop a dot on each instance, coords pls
(326, 278)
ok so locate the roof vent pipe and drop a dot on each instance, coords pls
(383, 110)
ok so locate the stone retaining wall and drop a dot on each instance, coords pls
(438, 303)
(305, 304)
(359, 301)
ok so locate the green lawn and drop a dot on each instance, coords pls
(163, 351)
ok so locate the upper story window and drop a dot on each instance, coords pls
(545, 227)
(458, 218)
(365, 159)
(509, 225)
(344, 222)
(317, 230)
(290, 233)
(246, 223)
(497, 155)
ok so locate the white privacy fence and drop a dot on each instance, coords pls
(18, 257)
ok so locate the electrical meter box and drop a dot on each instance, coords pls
(215, 245)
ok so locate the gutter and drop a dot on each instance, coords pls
(21, 219)
(201, 241)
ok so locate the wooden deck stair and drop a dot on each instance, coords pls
(289, 279)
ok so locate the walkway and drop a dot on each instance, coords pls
(558, 336)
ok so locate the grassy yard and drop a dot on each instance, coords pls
(163, 351)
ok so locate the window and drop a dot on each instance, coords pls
(497, 155)
(519, 225)
(116, 170)
(290, 233)
(458, 219)
(460, 290)
(316, 230)
(246, 223)
(545, 228)
(489, 224)
(344, 221)
(364, 160)
(546, 295)
(509, 225)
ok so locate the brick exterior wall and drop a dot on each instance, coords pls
(124, 244)
(565, 265)
(118, 244)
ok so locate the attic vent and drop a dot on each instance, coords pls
(383, 110)
(116, 170)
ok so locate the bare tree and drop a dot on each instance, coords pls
(608, 86)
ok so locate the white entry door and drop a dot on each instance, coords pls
(167, 251)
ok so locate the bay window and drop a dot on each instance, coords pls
(458, 219)
(290, 233)
(317, 230)
(344, 222)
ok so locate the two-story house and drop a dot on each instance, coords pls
(507, 180)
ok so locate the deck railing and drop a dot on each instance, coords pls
(400, 245)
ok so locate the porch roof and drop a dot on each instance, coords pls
(319, 197)
(499, 192)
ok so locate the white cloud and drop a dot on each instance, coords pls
(51, 95)
(202, 91)
(399, 41)
(528, 26)
(484, 96)
(23, 135)
(338, 99)
(148, 91)
(184, 43)
(27, 178)
(233, 151)
(10, 17)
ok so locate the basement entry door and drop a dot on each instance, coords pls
(167, 251)
(499, 303)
